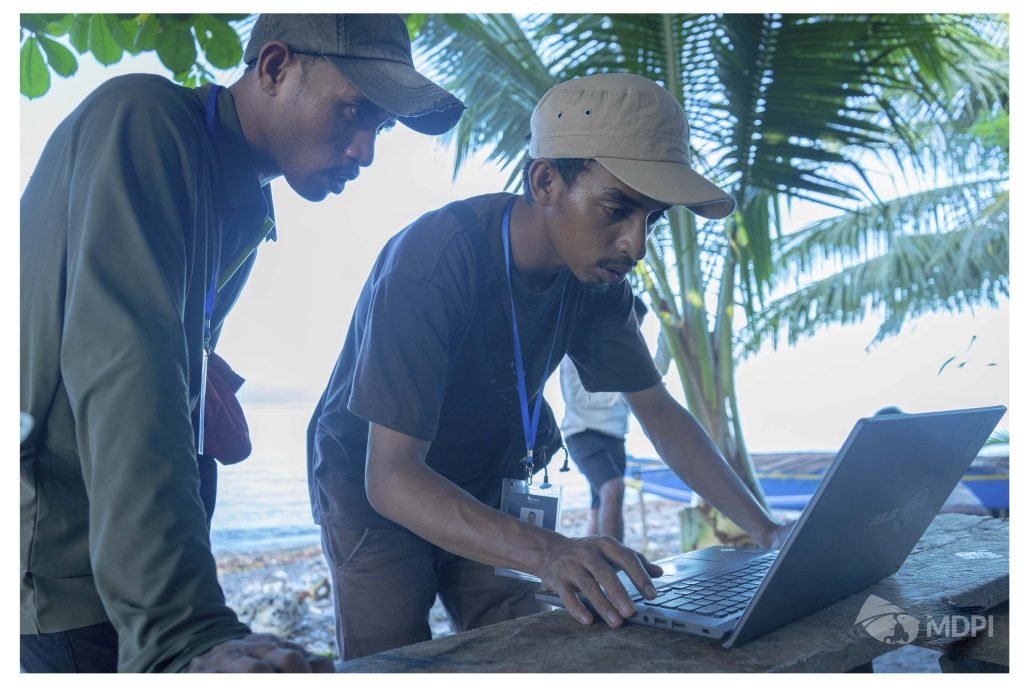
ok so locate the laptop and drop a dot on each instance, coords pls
(874, 503)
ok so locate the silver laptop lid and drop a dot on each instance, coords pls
(883, 489)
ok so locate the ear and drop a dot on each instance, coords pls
(546, 183)
(275, 63)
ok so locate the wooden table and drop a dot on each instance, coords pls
(960, 567)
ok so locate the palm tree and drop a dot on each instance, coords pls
(781, 107)
(941, 248)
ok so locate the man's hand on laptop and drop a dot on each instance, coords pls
(775, 535)
(588, 566)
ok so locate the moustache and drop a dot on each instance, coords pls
(618, 265)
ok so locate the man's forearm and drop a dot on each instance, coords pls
(711, 477)
(403, 488)
(689, 451)
(413, 495)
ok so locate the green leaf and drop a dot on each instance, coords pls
(59, 24)
(176, 46)
(413, 23)
(117, 32)
(145, 35)
(35, 77)
(36, 23)
(184, 78)
(130, 27)
(219, 41)
(101, 42)
(994, 131)
(58, 57)
(198, 80)
(78, 34)
(1000, 437)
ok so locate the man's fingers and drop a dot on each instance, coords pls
(783, 535)
(597, 598)
(244, 665)
(256, 639)
(629, 562)
(587, 569)
(320, 665)
(652, 569)
(613, 589)
(259, 653)
(288, 660)
(573, 605)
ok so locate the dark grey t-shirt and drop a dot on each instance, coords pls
(421, 358)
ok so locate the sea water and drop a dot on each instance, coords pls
(263, 501)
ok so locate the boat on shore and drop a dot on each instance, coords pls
(789, 479)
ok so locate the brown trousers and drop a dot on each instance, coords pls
(385, 582)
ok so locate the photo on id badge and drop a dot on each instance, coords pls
(532, 516)
(532, 505)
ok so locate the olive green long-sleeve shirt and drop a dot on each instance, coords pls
(130, 207)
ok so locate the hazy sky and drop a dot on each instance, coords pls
(289, 324)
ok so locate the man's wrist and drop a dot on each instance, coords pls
(542, 545)
(766, 529)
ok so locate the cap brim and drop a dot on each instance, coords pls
(399, 89)
(672, 183)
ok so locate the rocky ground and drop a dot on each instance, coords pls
(287, 593)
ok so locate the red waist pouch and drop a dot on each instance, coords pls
(227, 433)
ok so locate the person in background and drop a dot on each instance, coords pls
(594, 427)
(139, 227)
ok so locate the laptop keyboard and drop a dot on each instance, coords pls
(717, 596)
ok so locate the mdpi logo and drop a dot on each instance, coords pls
(891, 625)
(887, 622)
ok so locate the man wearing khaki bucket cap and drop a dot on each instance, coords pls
(635, 130)
(431, 411)
(139, 227)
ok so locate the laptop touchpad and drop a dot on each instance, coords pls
(678, 568)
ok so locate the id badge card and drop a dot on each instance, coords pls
(538, 505)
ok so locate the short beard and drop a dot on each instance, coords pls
(599, 287)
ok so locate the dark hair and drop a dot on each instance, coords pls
(569, 169)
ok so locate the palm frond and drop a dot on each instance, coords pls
(914, 274)
(780, 105)
(490, 63)
(1000, 437)
(867, 232)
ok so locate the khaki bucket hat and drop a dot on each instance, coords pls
(634, 128)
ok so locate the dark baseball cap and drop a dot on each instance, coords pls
(374, 53)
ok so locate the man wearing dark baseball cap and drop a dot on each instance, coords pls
(139, 227)
(373, 52)
(319, 87)
(435, 398)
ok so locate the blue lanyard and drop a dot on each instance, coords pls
(530, 422)
(211, 293)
